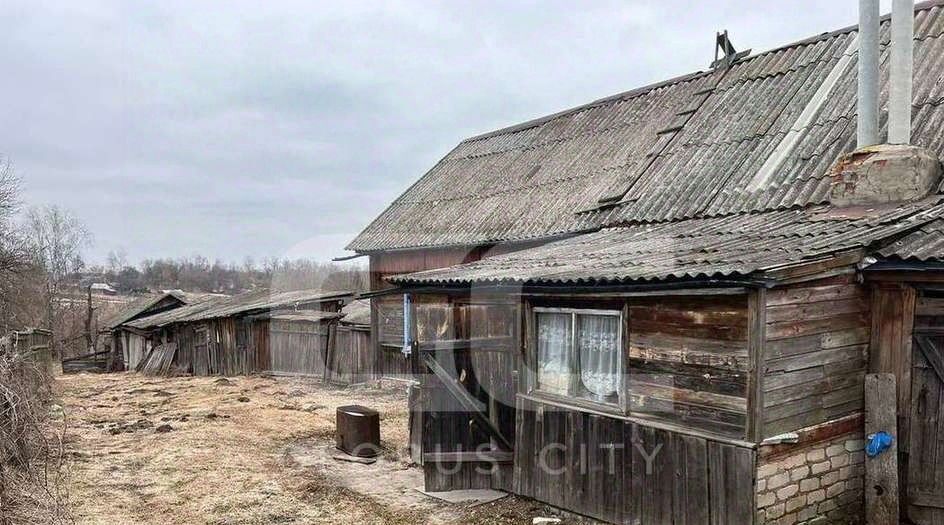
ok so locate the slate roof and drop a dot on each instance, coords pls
(304, 316)
(247, 303)
(759, 136)
(356, 312)
(736, 245)
(924, 244)
(135, 308)
(139, 306)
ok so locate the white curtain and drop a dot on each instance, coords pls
(597, 343)
(555, 347)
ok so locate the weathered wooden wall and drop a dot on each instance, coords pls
(626, 472)
(298, 348)
(387, 320)
(387, 311)
(922, 478)
(350, 358)
(688, 361)
(816, 353)
(134, 347)
(246, 345)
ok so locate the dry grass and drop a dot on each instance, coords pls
(228, 460)
(33, 487)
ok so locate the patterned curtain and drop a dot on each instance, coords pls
(597, 338)
(555, 347)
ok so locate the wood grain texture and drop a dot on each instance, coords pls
(924, 471)
(627, 472)
(815, 354)
(881, 472)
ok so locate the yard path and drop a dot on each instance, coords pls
(242, 450)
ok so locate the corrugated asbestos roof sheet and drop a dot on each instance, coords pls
(217, 307)
(356, 312)
(305, 316)
(139, 306)
(924, 244)
(694, 248)
(691, 147)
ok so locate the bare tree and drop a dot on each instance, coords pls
(15, 269)
(56, 240)
(32, 456)
(116, 261)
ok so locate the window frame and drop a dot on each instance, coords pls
(620, 407)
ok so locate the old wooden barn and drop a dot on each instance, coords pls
(127, 345)
(662, 306)
(285, 333)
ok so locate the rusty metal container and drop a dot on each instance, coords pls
(358, 431)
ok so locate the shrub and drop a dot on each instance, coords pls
(32, 467)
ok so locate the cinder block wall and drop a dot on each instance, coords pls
(817, 484)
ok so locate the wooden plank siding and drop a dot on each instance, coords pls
(350, 359)
(235, 346)
(626, 472)
(688, 361)
(816, 353)
(298, 348)
(924, 492)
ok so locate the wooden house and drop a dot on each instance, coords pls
(662, 306)
(285, 333)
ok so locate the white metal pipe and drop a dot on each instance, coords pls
(867, 101)
(900, 72)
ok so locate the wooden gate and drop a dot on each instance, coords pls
(925, 484)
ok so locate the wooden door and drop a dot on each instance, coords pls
(201, 358)
(925, 490)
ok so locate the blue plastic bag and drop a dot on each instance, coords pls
(878, 443)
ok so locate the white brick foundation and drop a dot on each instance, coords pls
(817, 485)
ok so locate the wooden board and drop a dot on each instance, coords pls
(881, 472)
(689, 362)
(925, 472)
(815, 355)
(627, 472)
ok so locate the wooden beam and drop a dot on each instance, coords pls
(481, 344)
(488, 456)
(932, 355)
(473, 406)
(813, 267)
(756, 336)
(916, 276)
(881, 472)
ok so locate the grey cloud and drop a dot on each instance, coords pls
(266, 128)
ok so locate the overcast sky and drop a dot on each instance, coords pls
(282, 128)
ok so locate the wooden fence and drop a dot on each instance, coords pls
(350, 359)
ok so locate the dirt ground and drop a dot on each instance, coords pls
(244, 450)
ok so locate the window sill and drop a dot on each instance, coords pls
(575, 403)
(615, 413)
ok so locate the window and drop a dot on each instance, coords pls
(579, 354)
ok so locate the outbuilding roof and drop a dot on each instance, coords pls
(759, 136)
(247, 303)
(357, 312)
(736, 245)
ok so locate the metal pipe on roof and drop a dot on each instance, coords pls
(867, 101)
(901, 71)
